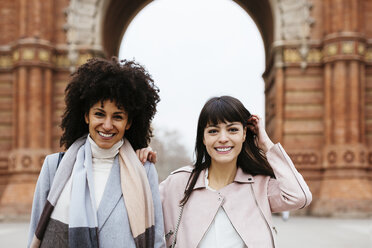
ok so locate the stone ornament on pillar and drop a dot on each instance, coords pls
(348, 47)
(27, 160)
(28, 53)
(5, 62)
(305, 158)
(345, 156)
(15, 55)
(82, 30)
(295, 24)
(44, 55)
(361, 49)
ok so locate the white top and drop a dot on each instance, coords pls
(221, 233)
(102, 161)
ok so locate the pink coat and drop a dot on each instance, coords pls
(248, 202)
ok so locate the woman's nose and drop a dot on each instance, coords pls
(223, 137)
(107, 124)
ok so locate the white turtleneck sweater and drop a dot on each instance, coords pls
(102, 161)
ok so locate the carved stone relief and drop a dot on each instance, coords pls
(82, 27)
(295, 19)
(293, 25)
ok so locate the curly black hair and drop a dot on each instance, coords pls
(126, 83)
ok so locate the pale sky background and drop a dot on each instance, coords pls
(194, 50)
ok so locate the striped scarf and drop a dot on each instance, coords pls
(82, 220)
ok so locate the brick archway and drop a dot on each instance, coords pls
(318, 87)
(114, 27)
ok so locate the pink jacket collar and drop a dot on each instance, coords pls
(240, 177)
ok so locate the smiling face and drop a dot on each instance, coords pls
(224, 142)
(107, 123)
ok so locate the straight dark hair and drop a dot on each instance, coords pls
(251, 159)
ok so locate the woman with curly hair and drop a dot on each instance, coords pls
(99, 194)
(239, 178)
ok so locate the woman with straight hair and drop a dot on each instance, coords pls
(239, 178)
(99, 194)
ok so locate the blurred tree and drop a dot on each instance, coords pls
(171, 153)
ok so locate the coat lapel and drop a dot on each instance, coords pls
(111, 195)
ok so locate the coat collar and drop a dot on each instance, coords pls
(240, 177)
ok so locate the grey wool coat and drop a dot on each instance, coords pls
(113, 222)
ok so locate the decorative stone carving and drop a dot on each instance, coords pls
(62, 61)
(291, 56)
(332, 157)
(44, 55)
(340, 156)
(293, 23)
(5, 62)
(304, 158)
(295, 19)
(347, 47)
(368, 55)
(23, 160)
(81, 22)
(28, 54)
(82, 27)
(331, 49)
(361, 49)
(26, 161)
(16, 56)
(349, 156)
(314, 56)
(83, 58)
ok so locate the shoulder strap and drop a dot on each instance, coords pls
(177, 226)
(60, 156)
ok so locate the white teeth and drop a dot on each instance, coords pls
(106, 135)
(223, 149)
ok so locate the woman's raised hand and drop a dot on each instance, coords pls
(145, 154)
(256, 125)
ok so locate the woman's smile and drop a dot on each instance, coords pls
(224, 141)
(106, 135)
(223, 149)
(107, 123)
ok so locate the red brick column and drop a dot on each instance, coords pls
(32, 56)
(32, 94)
(345, 187)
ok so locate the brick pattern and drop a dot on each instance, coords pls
(9, 16)
(368, 107)
(321, 112)
(6, 115)
(303, 111)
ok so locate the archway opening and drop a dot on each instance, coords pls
(196, 50)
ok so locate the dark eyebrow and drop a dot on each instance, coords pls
(115, 113)
(213, 125)
(99, 109)
(233, 123)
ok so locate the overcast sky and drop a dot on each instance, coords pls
(194, 50)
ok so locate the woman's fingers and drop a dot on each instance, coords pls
(153, 157)
(145, 154)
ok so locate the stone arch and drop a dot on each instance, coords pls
(100, 24)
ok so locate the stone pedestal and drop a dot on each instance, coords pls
(346, 189)
(24, 169)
